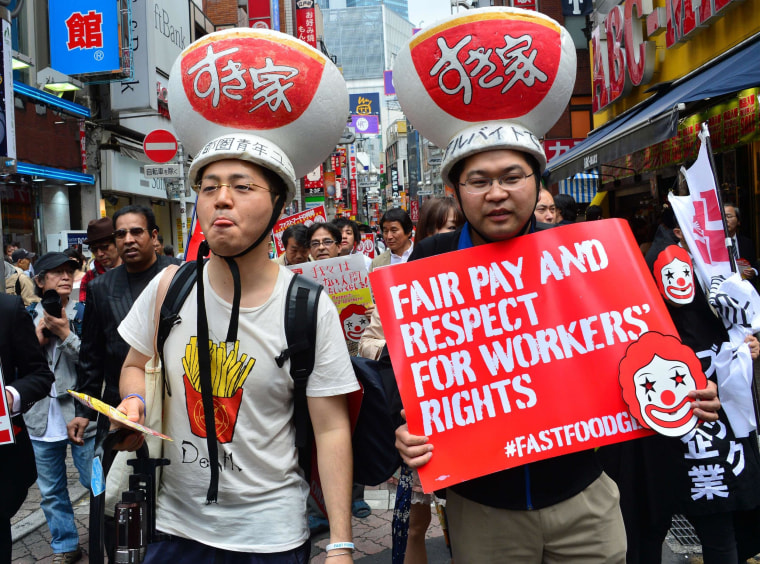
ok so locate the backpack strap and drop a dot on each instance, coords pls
(177, 293)
(18, 285)
(301, 306)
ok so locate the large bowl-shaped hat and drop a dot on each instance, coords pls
(492, 78)
(257, 95)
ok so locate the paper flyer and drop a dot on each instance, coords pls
(114, 414)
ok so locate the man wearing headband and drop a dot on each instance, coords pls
(565, 506)
(257, 502)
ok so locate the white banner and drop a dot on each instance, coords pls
(700, 218)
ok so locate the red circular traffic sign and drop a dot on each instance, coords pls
(160, 146)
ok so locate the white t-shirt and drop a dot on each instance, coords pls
(262, 494)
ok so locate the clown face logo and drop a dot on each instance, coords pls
(675, 275)
(354, 322)
(656, 375)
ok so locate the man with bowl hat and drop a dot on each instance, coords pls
(234, 490)
(485, 87)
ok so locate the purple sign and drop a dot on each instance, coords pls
(365, 124)
(388, 83)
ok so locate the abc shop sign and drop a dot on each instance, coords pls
(623, 56)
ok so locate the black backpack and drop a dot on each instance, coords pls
(375, 454)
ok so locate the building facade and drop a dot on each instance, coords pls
(658, 72)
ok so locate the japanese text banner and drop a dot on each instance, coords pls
(508, 353)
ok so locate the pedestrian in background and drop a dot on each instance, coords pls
(47, 419)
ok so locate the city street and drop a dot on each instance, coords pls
(372, 536)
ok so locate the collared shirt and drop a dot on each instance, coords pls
(398, 259)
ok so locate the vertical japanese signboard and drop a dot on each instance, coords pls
(352, 168)
(305, 24)
(7, 119)
(84, 36)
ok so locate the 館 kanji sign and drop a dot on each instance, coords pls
(84, 36)
(509, 352)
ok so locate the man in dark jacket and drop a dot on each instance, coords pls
(109, 298)
(27, 379)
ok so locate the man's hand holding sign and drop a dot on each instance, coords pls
(512, 349)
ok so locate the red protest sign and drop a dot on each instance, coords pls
(307, 217)
(510, 351)
(367, 246)
(6, 425)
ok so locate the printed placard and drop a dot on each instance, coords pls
(510, 351)
(345, 279)
(6, 425)
(316, 214)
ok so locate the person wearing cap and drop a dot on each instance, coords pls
(47, 419)
(27, 379)
(243, 499)
(23, 259)
(562, 509)
(102, 245)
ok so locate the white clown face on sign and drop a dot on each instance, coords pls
(674, 274)
(657, 374)
(661, 388)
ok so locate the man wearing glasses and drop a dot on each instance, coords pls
(101, 242)
(324, 240)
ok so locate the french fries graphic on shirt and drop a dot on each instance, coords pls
(229, 371)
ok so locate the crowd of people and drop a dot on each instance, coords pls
(86, 352)
(234, 490)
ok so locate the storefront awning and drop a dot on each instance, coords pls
(657, 118)
(582, 187)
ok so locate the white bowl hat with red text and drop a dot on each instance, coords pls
(491, 78)
(257, 95)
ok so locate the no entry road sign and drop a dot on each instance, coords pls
(160, 146)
